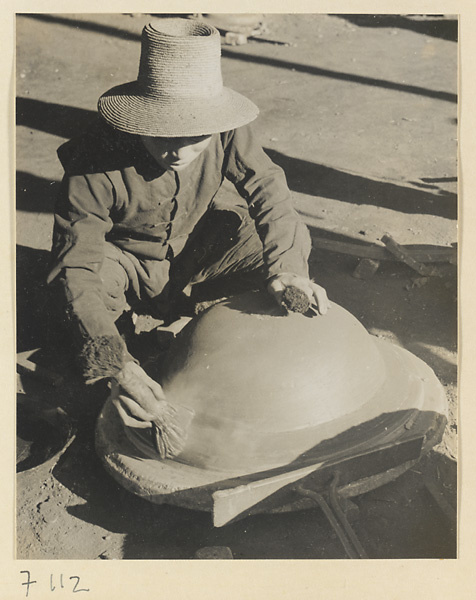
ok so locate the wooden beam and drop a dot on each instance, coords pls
(419, 252)
(229, 503)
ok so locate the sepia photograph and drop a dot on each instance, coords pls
(236, 286)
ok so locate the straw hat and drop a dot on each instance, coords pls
(179, 91)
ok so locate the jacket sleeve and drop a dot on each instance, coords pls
(286, 240)
(81, 222)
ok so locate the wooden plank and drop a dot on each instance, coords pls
(229, 503)
(377, 463)
(25, 365)
(404, 256)
(421, 253)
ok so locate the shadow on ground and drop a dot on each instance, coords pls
(389, 303)
(38, 194)
(443, 28)
(263, 60)
(56, 119)
(399, 520)
(35, 194)
(319, 180)
(31, 297)
(81, 24)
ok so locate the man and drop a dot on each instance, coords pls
(138, 221)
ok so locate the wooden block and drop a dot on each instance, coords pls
(235, 39)
(366, 268)
(404, 256)
(214, 553)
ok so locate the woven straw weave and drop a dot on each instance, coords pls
(179, 90)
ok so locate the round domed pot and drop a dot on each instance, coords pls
(274, 394)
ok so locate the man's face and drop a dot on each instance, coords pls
(175, 154)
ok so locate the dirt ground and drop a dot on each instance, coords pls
(361, 114)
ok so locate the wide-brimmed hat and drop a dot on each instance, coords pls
(179, 91)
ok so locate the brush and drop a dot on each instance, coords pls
(106, 357)
(170, 422)
(295, 300)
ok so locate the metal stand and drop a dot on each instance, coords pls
(336, 517)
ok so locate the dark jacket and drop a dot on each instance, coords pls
(113, 190)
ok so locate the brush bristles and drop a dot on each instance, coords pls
(295, 300)
(169, 435)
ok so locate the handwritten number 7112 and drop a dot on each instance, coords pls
(75, 587)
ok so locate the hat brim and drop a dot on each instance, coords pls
(411, 400)
(126, 109)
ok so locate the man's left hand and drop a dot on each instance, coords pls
(316, 294)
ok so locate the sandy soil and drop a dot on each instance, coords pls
(361, 114)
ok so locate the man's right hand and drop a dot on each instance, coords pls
(313, 291)
(138, 399)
